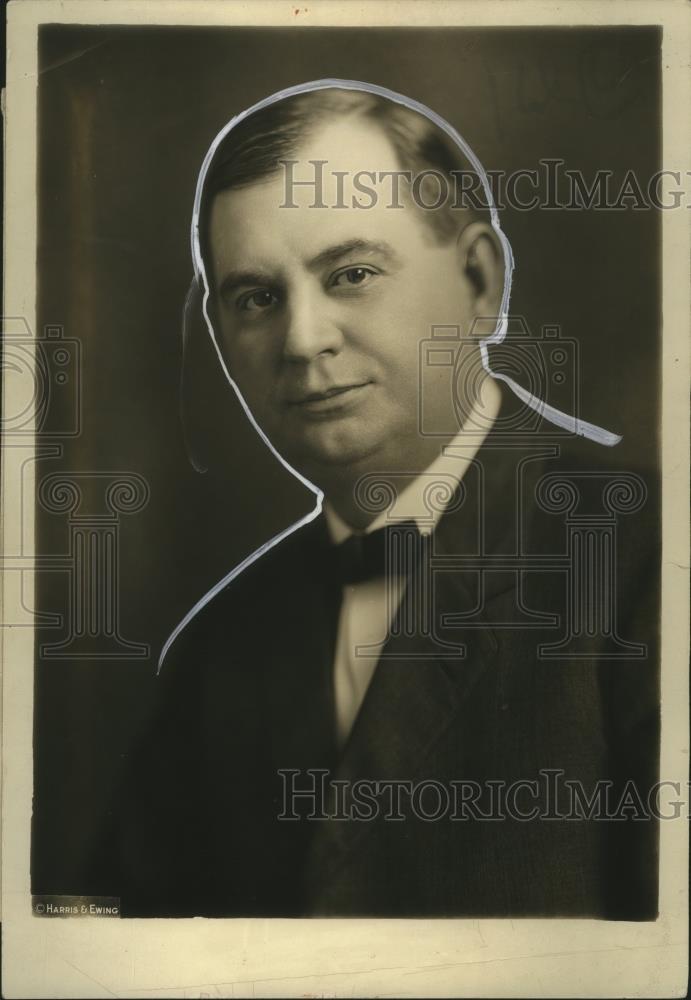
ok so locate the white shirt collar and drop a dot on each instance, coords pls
(447, 470)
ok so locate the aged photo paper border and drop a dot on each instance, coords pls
(354, 957)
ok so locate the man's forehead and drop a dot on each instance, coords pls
(271, 239)
(352, 144)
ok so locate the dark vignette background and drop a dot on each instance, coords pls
(125, 117)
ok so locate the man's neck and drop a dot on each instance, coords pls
(360, 502)
(356, 493)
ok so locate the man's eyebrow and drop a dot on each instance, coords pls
(241, 279)
(332, 255)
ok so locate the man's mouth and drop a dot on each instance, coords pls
(333, 399)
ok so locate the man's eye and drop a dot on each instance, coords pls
(256, 301)
(352, 276)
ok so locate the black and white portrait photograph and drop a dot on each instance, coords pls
(345, 500)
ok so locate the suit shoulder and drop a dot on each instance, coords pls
(262, 578)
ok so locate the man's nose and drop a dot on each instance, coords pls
(311, 329)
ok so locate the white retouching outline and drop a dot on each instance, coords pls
(550, 413)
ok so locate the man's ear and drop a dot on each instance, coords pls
(481, 259)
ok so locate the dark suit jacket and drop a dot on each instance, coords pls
(246, 693)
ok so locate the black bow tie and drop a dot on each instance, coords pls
(392, 550)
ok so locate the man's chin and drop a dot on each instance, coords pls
(329, 458)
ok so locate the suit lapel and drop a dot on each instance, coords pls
(424, 674)
(422, 677)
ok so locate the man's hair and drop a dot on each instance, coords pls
(254, 148)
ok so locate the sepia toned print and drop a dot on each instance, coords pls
(459, 575)
(338, 501)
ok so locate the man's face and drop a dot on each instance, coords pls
(321, 311)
